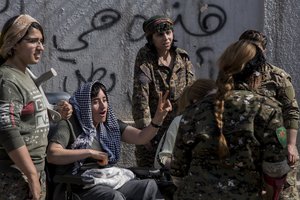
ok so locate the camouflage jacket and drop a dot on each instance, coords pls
(277, 83)
(150, 78)
(253, 128)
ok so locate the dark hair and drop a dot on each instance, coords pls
(96, 88)
(255, 36)
(36, 26)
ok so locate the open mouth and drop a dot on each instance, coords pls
(102, 114)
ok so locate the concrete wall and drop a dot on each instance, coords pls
(281, 25)
(99, 39)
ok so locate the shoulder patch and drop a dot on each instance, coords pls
(282, 136)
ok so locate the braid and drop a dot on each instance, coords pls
(225, 85)
(231, 63)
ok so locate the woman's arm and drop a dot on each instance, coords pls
(133, 135)
(22, 159)
(166, 151)
(293, 154)
(58, 155)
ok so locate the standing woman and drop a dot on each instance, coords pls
(24, 122)
(231, 141)
(159, 66)
(277, 83)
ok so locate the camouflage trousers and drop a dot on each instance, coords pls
(14, 185)
(290, 190)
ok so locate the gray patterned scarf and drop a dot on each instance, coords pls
(108, 132)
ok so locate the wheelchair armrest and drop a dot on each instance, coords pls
(161, 176)
(71, 179)
(145, 172)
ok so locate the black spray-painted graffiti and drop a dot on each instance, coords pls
(106, 21)
(129, 34)
(107, 18)
(97, 74)
(213, 12)
(110, 17)
(6, 5)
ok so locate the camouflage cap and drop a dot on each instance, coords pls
(157, 23)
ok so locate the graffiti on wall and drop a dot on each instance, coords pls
(110, 17)
(107, 18)
(5, 4)
(95, 74)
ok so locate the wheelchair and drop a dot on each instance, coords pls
(64, 183)
(52, 178)
(162, 178)
(68, 181)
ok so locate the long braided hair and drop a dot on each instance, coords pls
(232, 63)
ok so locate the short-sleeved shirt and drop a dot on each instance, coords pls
(253, 128)
(23, 116)
(66, 132)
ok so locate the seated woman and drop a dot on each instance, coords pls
(228, 142)
(190, 95)
(91, 139)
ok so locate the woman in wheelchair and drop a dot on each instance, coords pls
(89, 144)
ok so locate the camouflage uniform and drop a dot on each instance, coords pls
(252, 124)
(149, 79)
(277, 83)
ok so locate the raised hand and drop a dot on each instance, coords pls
(65, 109)
(163, 107)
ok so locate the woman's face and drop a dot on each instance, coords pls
(99, 108)
(163, 41)
(29, 50)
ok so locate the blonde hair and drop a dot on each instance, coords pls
(231, 62)
(199, 89)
